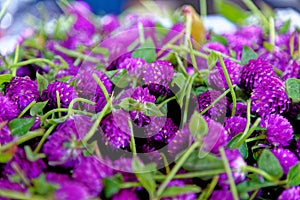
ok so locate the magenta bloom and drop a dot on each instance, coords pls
(128, 194)
(216, 46)
(235, 125)
(286, 158)
(277, 58)
(9, 109)
(5, 135)
(109, 24)
(134, 66)
(292, 193)
(292, 70)
(180, 142)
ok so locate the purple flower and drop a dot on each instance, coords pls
(235, 125)
(173, 32)
(292, 193)
(66, 93)
(237, 42)
(241, 109)
(270, 97)
(180, 142)
(90, 171)
(30, 169)
(9, 109)
(291, 71)
(216, 137)
(252, 33)
(279, 131)
(236, 163)
(184, 196)
(283, 41)
(5, 135)
(58, 179)
(216, 77)
(6, 184)
(62, 147)
(72, 191)
(277, 58)
(254, 72)
(109, 24)
(115, 129)
(128, 194)
(286, 158)
(124, 166)
(216, 46)
(22, 90)
(216, 112)
(134, 66)
(221, 195)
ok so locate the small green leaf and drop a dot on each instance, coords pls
(198, 126)
(212, 60)
(42, 82)
(121, 79)
(231, 11)
(285, 27)
(20, 126)
(42, 187)
(128, 104)
(151, 109)
(180, 80)
(199, 90)
(270, 47)
(112, 185)
(5, 78)
(292, 86)
(65, 79)
(37, 109)
(111, 73)
(146, 51)
(243, 148)
(248, 54)
(293, 176)
(174, 191)
(269, 163)
(252, 185)
(208, 162)
(219, 38)
(6, 157)
(31, 156)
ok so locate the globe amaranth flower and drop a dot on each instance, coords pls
(62, 147)
(134, 66)
(221, 195)
(252, 33)
(283, 41)
(254, 72)
(124, 166)
(270, 97)
(291, 71)
(185, 196)
(9, 109)
(72, 190)
(215, 138)
(128, 194)
(278, 58)
(216, 77)
(30, 169)
(237, 42)
(6, 184)
(218, 110)
(241, 109)
(66, 94)
(286, 158)
(180, 142)
(5, 135)
(235, 125)
(109, 23)
(279, 131)
(115, 131)
(216, 46)
(90, 171)
(292, 193)
(236, 163)
(22, 90)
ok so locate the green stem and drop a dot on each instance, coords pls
(272, 31)
(253, 195)
(17, 51)
(26, 109)
(188, 29)
(181, 66)
(229, 174)
(256, 12)
(292, 47)
(97, 122)
(166, 163)
(58, 102)
(11, 194)
(210, 188)
(260, 137)
(229, 85)
(195, 66)
(45, 136)
(192, 174)
(141, 33)
(245, 135)
(35, 60)
(132, 141)
(180, 49)
(30, 135)
(216, 101)
(258, 171)
(4, 8)
(203, 8)
(221, 54)
(188, 96)
(102, 86)
(76, 54)
(71, 105)
(166, 101)
(175, 169)
(130, 185)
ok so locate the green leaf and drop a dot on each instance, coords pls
(42, 187)
(219, 39)
(128, 104)
(269, 163)
(20, 126)
(146, 51)
(37, 109)
(292, 86)
(293, 176)
(199, 90)
(231, 11)
(31, 156)
(151, 109)
(212, 60)
(121, 79)
(6, 157)
(243, 148)
(65, 79)
(112, 185)
(145, 174)
(208, 162)
(174, 191)
(5, 78)
(180, 80)
(285, 27)
(270, 47)
(42, 82)
(198, 126)
(111, 73)
(248, 54)
(252, 185)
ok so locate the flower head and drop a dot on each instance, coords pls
(125, 194)
(134, 66)
(5, 135)
(9, 109)
(235, 125)
(292, 70)
(180, 142)
(109, 24)
(72, 190)
(286, 158)
(292, 193)
(6, 184)
(277, 58)
(221, 195)
(216, 46)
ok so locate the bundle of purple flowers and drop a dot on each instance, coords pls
(118, 107)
